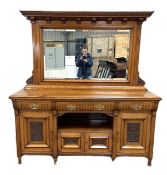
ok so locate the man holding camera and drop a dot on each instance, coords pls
(85, 63)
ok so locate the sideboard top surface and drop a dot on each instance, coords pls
(115, 93)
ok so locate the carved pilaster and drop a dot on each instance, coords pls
(18, 136)
(55, 135)
(114, 136)
(152, 130)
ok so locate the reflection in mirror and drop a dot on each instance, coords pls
(85, 54)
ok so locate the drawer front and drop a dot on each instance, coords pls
(98, 143)
(33, 105)
(70, 142)
(85, 106)
(136, 106)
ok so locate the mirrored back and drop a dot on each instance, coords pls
(110, 56)
(85, 54)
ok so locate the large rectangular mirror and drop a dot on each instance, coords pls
(85, 54)
(112, 40)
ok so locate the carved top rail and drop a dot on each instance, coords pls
(87, 15)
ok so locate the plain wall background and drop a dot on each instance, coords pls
(16, 66)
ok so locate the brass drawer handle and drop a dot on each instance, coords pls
(99, 107)
(34, 106)
(71, 107)
(136, 107)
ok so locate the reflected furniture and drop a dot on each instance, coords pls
(111, 117)
(106, 69)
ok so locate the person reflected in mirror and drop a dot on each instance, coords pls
(85, 63)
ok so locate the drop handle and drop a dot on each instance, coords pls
(71, 107)
(99, 107)
(34, 106)
(136, 107)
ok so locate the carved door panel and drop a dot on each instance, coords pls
(133, 133)
(35, 129)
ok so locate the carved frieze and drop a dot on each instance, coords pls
(135, 106)
(33, 105)
(84, 106)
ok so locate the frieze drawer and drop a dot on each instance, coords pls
(84, 106)
(135, 106)
(33, 105)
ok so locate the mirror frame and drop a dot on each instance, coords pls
(86, 20)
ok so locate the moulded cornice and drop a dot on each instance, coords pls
(87, 15)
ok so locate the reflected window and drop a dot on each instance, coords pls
(108, 48)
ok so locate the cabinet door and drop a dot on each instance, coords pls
(70, 142)
(98, 143)
(133, 133)
(35, 129)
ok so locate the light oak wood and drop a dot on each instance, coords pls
(138, 143)
(85, 117)
(98, 143)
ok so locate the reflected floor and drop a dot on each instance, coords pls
(67, 72)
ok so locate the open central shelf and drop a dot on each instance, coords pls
(85, 121)
(85, 133)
